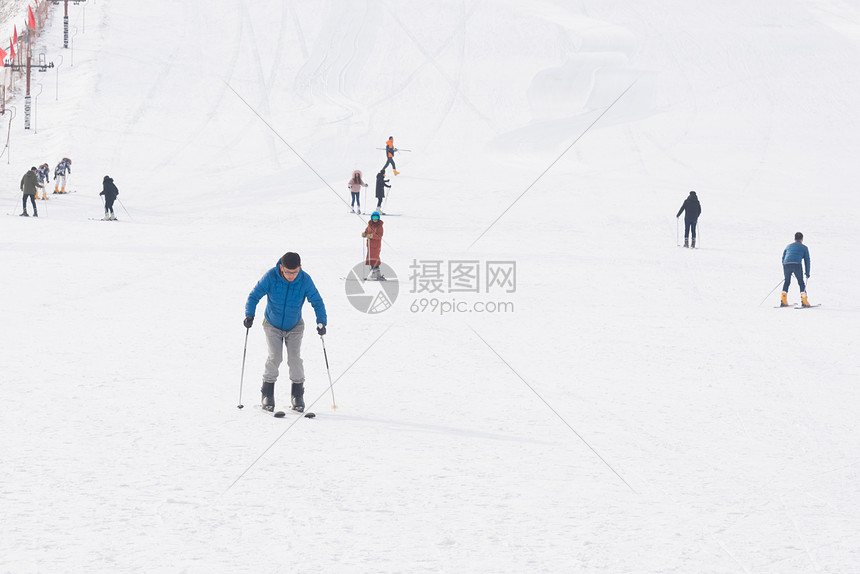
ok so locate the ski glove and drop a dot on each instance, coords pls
(249, 320)
(320, 329)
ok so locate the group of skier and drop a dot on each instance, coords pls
(374, 230)
(795, 257)
(286, 287)
(356, 182)
(38, 178)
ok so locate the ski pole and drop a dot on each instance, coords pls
(385, 202)
(366, 262)
(771, 291)
(242, 379)
(330, 384)
(123, 208)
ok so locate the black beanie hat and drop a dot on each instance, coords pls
(291, 260)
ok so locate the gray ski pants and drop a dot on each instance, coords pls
(275, 339)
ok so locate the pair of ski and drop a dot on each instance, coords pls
(367, 279)
(282, 414)
(796, 306)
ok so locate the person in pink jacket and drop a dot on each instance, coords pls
(355, 185)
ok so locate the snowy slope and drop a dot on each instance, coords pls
(640, 408)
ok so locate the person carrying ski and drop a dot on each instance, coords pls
(30, 188)
(691, 209)
(355, 184)
(286, 288)
(110, 191)
(794, 256)
(381, 184)
(389, 154)
(60, 172)
(373, 234)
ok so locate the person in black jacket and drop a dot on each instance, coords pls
(691, 209)
(110, 191)
(381, 184)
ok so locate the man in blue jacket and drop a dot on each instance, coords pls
(286, 287)
(793, 257)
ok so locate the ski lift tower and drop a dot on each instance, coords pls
(66, 18)
(42, 66)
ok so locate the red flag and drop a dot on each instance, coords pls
(2, 57)
(15, 37)
(12, 50)
(31, 21)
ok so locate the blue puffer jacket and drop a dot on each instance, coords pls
(796, 252)
(284, 299)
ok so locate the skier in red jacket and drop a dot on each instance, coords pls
(373, 235)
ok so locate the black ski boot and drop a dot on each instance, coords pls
(686, 242)
(298, 393)
(693, 244)
(268, 401)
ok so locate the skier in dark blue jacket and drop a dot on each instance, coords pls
(110, 191)
(794, 257)
(692, 209)
(286, 288)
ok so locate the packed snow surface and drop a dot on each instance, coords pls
(619, 405)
